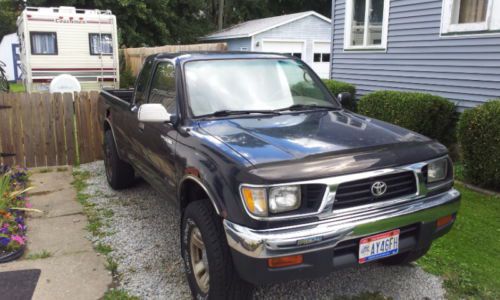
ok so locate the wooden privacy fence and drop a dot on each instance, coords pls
(41, 129)
(134, 57)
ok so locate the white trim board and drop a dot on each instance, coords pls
(348, 24)
(449, 17)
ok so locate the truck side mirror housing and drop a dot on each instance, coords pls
(345, 99)
(153, 113)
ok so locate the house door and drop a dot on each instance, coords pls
(321, 59)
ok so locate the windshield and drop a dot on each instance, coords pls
(251, 85)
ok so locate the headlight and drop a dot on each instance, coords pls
(437, 170)
(284, 198)
(279, 199)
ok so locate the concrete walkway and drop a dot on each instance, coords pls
(74, 270)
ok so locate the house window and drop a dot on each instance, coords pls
(470, 16)
(366, 24)
(321, 57)
(100, 44)
(296, 54)
(43, 43)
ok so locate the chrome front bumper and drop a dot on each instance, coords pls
(325, 234)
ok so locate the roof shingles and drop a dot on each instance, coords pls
(252, 27)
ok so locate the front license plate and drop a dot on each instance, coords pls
(378, 246)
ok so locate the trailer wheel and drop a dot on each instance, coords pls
(119, 174)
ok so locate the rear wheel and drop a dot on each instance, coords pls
(207, 258)
(119, 174)
(405, 258)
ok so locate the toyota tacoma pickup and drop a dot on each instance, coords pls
(273, 179)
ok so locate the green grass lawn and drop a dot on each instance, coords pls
(468, 258)
(17, 88)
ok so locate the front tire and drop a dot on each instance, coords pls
(207, 258)
(119, 174)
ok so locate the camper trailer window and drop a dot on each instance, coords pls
(100, 44)
(43, 43)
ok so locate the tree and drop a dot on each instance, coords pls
(9, 10)
(160, 22)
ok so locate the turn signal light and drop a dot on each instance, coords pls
(285, 261)
(441, 222)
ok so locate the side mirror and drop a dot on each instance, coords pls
(153, 113)
(345, 99)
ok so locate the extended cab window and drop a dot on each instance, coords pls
(43, 43)
(163, 87)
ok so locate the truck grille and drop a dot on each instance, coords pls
(312, 194)
(359, 192)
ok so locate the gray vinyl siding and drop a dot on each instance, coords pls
(237, 44)
(308, 29)
(464, 69)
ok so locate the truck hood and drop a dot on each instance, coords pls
(298, 136)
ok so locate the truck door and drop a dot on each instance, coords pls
(159, 139)
(131, 131)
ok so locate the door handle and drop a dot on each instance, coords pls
(141, 126)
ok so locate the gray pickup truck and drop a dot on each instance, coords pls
(273, 179)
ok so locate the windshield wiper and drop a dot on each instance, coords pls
(307, 107)
(227, 112)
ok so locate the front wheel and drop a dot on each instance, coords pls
(207, 258)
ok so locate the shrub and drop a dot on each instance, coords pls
(337, 87)
(430, 115)
(127, 79)
(479, 139)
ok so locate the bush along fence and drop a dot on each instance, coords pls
(427, 114)
(337, 87)
(41, 129)
(479, 139)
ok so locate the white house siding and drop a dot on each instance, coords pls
(308, 29)
(464, 69)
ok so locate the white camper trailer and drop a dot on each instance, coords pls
(65, 40)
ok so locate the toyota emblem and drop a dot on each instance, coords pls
(379, 188)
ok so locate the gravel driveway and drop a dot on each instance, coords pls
(144, 234)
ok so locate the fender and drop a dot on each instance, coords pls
(108, 121)
(203, 186)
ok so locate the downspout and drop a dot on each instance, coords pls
(332, 33)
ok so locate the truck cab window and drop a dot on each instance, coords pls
(142, 82)
(163, 87)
